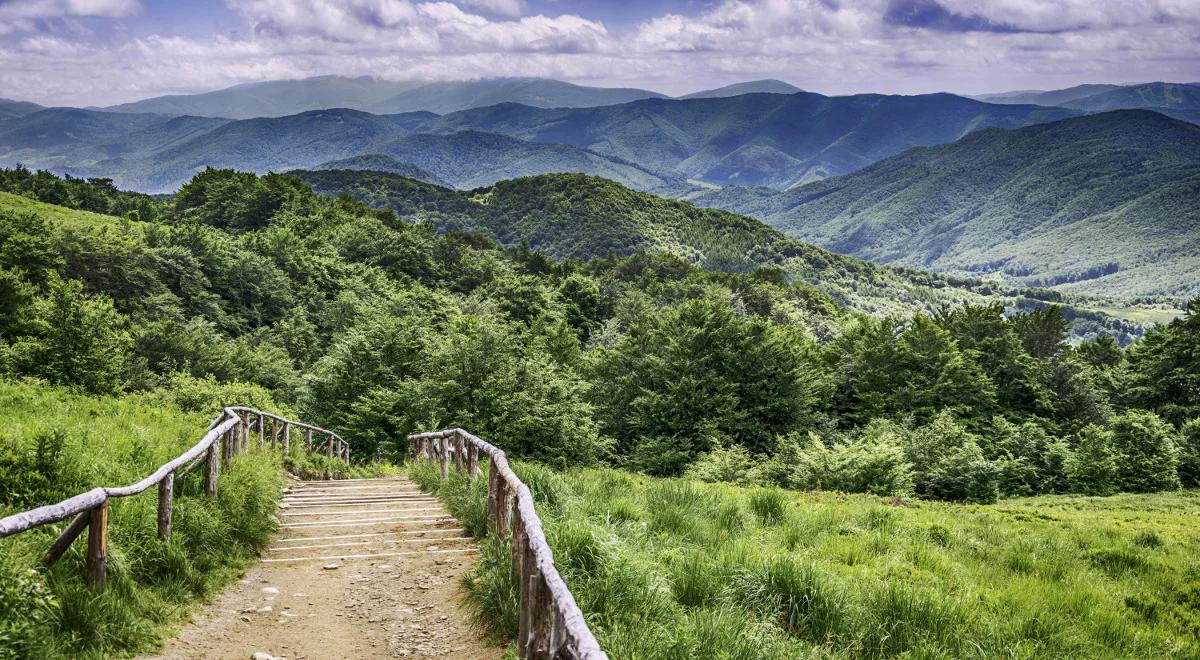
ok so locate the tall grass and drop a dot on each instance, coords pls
(682, 569)
(54, 444)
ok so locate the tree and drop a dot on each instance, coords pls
(1092, 468)
(77, 340)
(1165, 368)
(1148, 459)
(1043, 332)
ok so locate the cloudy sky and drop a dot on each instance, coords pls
(97, 52)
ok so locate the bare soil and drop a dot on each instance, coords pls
(360, 569)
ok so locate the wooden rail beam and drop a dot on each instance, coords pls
(64, 540)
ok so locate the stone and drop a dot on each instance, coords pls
(265, 610)
(270, 590)
(330, 567)
(259, 655)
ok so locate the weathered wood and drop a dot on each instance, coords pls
(472, 460)
(210, 475)
(97, 550)
(19, 522)
(308, 440)
(493, 516)
(287, 438)
(459, 463)
(166, 505)
(329, 445)
(522, 569)
(64, 540)
(262, 425)
(445, 459)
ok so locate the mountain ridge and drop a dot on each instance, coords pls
(1097, 203)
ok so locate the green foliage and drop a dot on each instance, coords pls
(235, 200)
(76, 340)
(1147, 457)
(1092, 469)
(1189, 454)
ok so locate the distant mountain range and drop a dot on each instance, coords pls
(386, 164)
(1104, 203)
(776, 140)
(1181, 101)
(653, 144)
(279, 98)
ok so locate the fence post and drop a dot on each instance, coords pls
(493, 518)
(245, 432)
(472, 460)
(329, 445)
(459, 463)
(97, 550)
(308, 440)
(445, 458)
(166, 495)
(210, 476)
(287, 437)
(262, 423)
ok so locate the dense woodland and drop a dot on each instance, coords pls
(376, 327)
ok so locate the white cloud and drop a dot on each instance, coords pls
(822, 45)
(498, 7)
(24, 11)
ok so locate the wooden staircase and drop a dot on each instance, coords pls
(353, 519)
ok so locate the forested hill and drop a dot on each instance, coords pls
(1104, 203)
(582, 217)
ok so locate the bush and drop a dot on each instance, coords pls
(965, 475)
(1148, 458)
(1092, 469)
(729, 464)
(1031, 462)
(873, 463)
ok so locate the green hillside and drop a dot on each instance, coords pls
(381, 163)
(581, 217)
(1102, 204)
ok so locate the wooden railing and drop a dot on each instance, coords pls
(551, 624)
(227, 436)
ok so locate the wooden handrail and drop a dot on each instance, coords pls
(227, 436)
(551, 623)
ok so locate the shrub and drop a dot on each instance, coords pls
(868, 465)
(730, 464)
(1148, 458)
(1092, 469)
(965, 476)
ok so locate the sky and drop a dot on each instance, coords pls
(100, 52)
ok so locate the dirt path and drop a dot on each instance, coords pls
(361, 569)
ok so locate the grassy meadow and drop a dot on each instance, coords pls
(672, 568)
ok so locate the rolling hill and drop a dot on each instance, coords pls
(1181, 101)
(278, 98)
(382, 163)
(771, 140)
(582, 217)
(768, 86)
(1104, 203)
(10, 108)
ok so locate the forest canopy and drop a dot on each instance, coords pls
(377, 326)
